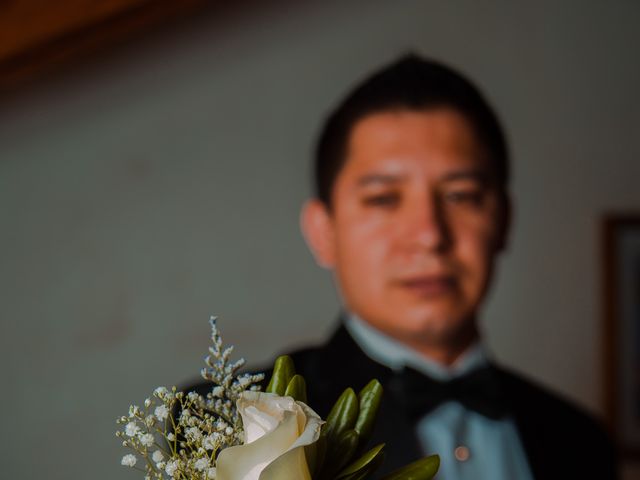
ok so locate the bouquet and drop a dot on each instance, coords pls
(238, 432)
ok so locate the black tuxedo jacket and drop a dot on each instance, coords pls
(560, 441)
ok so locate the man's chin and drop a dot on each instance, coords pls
(432, 329)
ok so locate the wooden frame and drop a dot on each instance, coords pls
(621, 245)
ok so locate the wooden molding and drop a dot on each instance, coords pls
(38, 36)
(611, 224)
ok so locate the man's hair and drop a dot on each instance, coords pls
(411, 83)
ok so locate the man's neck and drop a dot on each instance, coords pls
(444, 354)
(433, 360)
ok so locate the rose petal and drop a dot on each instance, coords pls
(278, 432)
(245, 462)
(293, 463)
(257, 423)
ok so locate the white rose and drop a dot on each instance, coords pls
(277, 430)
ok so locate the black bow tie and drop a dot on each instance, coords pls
(479, 390)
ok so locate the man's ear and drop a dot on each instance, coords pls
(317, 228)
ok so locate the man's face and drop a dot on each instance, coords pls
(415, 223)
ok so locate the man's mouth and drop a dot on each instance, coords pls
(429, 285)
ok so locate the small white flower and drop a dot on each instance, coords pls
(134, 410)
(211, 473)
(131, 429)
(201, 464)
(161, 391)
(192, 396)
(161, 412)
(129, 460)
(146, 439)
(228, 430)
(209, 441)
(157, 456)
(171, 437)
(147, 402)
(193, 433)
(217, 391)
(150, 420)
(171, 468)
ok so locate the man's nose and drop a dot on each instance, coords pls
(427, 226)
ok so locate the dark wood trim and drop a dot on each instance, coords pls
(88, 39)
(612, 223)
(609, 314)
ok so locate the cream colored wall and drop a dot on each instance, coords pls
(161, 183)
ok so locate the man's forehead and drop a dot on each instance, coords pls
(388, 146)
(379, 178)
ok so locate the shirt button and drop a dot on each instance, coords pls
(461, 453)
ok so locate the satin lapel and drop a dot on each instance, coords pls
(528, 419)
(348, 366)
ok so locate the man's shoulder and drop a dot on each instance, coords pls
(557, 434)
(549, 413)
(305, 359)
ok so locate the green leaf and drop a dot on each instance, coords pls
(297, 388)
(364, 473)
(342, 416)
(340, 453)
(423, 469)
(370, 459)
(369, 399)
(283, 372)
(321, 452)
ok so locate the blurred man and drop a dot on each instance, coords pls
(411, 210)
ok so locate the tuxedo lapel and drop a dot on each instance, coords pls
(345, 365)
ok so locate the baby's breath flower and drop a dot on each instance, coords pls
(161, 412)
(160, 392)
(209, 442)
(193, 434)
(172, 467)
(201, 464)
(146, 439)
(131, 429)
(217, 391)
(192, 396)
(157, 456)
(206, 424)
(129, 460)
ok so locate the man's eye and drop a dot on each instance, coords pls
(382, 200)
(471, 197)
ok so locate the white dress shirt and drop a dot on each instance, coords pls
(471, 446)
